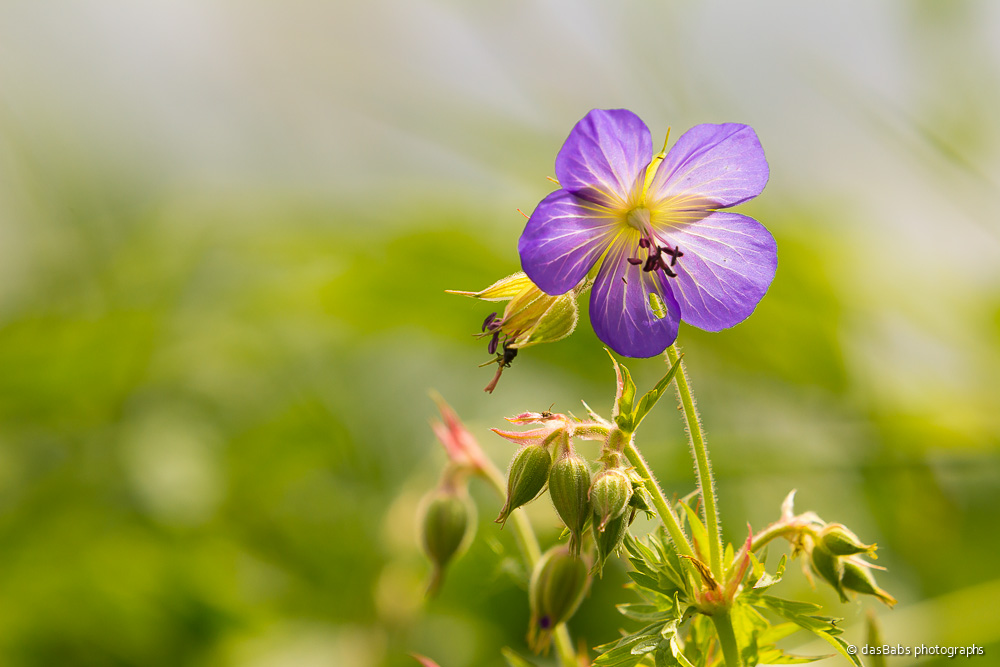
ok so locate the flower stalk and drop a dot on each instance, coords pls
(660, 502)
(727, 638)
(532, 553)
(703, 467)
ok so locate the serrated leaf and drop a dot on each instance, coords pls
(789, 608)
(646, 645)
(841, 646)
(775, 656)
(514, 659)
(645, 581)
(650, 398)
(823, 627)
(776, 633)
(766, 580)
(643, 612)
(619, 654)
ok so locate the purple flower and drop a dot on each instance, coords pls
(666, 251)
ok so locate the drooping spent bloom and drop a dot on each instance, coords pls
(531, 317)
(653, 228)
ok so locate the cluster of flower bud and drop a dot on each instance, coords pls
(835, 555)
(605, 501)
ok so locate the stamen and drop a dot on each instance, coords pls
(634, 261)
(643, 242)
(488, 321)
(492, 347)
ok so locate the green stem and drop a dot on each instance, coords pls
(532, 553)
(780, 529)
(773, 531)
(667, 516)
(727, 638)
(706, 483)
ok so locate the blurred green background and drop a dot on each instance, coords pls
(225, 234)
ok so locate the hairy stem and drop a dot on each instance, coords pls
(532, 553)
(727, 638)
(781, 529)
(667, 516)
(706, 482)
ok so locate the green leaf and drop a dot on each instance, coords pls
(748, 625)
(822, 626)
(650, 398)
(875, 639)
(775, 656)
(766, 580)
(514, 659)
(841, 646)
(699, 535)
(642, 612)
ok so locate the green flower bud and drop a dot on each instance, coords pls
(610, 539)
(557, 586)
(840, 541)
(569, 487)
(858, 578)
(829, 567)
(448, 520)
(609, 495)
(529, 471)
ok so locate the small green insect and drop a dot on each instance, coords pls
(658, 307)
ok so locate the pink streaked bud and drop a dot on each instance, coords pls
(741, 563)
(458, 442)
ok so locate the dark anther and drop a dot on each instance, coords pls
(643, 243)
(492, 347)
(488, 321)
(634, 261)
(651, 263)
(674, 254)
(545, 622)
(666, 270)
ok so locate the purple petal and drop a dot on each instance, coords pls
(728, 263)
(604, 156)
(712, 166)
(620, 311)
(563, 239)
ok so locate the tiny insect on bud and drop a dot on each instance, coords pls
(558, 584)
(842, 542)
(858, 578)
(610, 539)
(829, 567)
(609, 495)
(569, 486)
(447, 517)
(529, 471)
